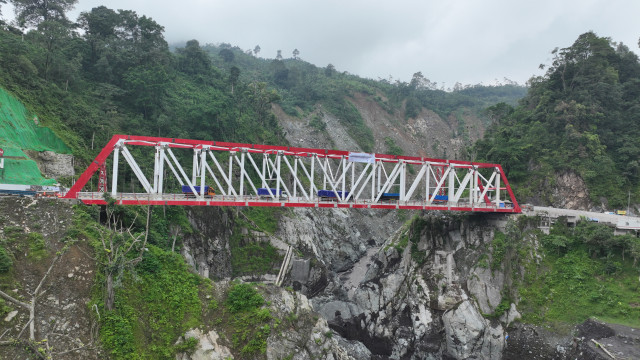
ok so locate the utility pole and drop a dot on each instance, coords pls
(628, 202)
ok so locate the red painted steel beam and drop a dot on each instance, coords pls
(257, 148)
(95, 165)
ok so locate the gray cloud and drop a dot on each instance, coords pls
(467, 41)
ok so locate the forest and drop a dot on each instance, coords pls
(582, 116)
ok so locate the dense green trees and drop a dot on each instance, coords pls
(581, 116)
(35, 12)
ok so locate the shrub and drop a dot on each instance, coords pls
(5, 260)
(243, 297)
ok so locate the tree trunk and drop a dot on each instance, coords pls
(32, 319)
(110, 292)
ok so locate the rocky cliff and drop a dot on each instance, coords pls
(414, 299)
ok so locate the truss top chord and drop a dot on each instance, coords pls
(356, 179)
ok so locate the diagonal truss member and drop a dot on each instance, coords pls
(265, 175)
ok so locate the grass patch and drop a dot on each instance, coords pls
(251, 256)
(499, 245)
(254, 258)
(574, 287)
(6, 260)
(153, 309)
(37, 246)
(263, 219)
(246, 320)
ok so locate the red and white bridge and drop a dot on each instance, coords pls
(266, 175)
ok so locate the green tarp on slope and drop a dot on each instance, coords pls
(19, 131)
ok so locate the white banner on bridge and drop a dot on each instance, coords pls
(362, 157)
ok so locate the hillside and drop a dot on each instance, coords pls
(336, 109)
(577, 130)
(20, 132)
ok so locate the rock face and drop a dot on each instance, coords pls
(52, 164)
(208, 347)
(207, 250)
(570, 192)
(337, 237)
(302, 335)
(486, 287)
(415, 306)
(412, 293)
(469, 335)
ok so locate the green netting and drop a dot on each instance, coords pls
(23, 172)
(19, 131)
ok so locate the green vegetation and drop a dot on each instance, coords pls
(581, 117)
(37, 247)
(585, 275)
(251, 256)
(263, 219)
(392, 147)
(155, 301)
(153, 309)
(499, 247)
(5, 260)
(247, 321)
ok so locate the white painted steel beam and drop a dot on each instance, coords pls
(286, 176)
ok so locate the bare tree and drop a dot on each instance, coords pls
(175, 230)
(118, 242)
(31, 306)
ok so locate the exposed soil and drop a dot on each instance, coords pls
(62, 313)
(427, 135)
(533, 342)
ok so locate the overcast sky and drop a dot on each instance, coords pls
(466, 41)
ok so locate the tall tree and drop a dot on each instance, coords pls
(234, 75)
(330, 70)
(296, 53)
(52, 35)
(100, 29)
(33, 12)
(256, 49)
(193, 59)
(227, 55)
(119, 41)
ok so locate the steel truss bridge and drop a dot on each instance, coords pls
(266, 175)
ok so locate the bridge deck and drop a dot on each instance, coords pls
(91, 198)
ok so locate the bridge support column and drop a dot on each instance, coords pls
(114, 177)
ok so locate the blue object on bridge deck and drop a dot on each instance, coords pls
(332, 194)
(265, 192)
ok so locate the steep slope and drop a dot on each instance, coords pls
(573, 141)
(29, 148)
